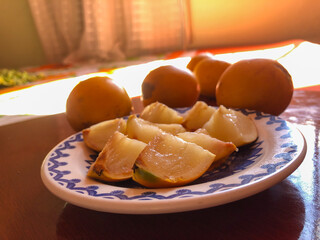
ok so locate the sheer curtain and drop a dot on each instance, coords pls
(107, 30)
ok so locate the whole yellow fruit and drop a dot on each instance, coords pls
(171, 86)
(258, 84)
(198, 58)
(208, 72)
(95, 100)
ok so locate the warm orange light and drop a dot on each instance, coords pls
(303, 65)
(50, 98)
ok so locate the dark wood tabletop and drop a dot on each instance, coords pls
(288, 210)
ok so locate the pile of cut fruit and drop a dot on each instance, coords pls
(165, 148)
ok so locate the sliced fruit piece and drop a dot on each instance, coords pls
(217, 162)
(96, 136)
(160, 113)
(115, 161)
(140, 129)
(231, 126)
(220, 148)
(202, 130)
(197, 116)
(173, 128)
(169, 161)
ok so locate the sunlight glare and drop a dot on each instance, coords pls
(303, 64)
(50, 98)
(271, 53)
(131, 77)
(42, 99)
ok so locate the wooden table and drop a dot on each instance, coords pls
(288, 210)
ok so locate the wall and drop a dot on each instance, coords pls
(214, 23)
(19, 43)
(233, 22)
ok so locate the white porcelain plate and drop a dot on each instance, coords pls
(277, 152)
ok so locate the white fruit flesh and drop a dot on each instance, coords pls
(173, 128)
(96, 136)
(231, 126)
(115, 161)
(198, 115)
(220, 148)
(171, 158)
(160, 113)
(140, 129)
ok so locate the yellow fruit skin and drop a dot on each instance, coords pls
(101, 176)
(208, 73)
(198, 58)
(171, 86)
(95, 100)
(149, 180)
(258, 84)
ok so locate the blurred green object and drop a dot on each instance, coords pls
(12, 77)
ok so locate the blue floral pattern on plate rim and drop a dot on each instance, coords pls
(279, 144)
